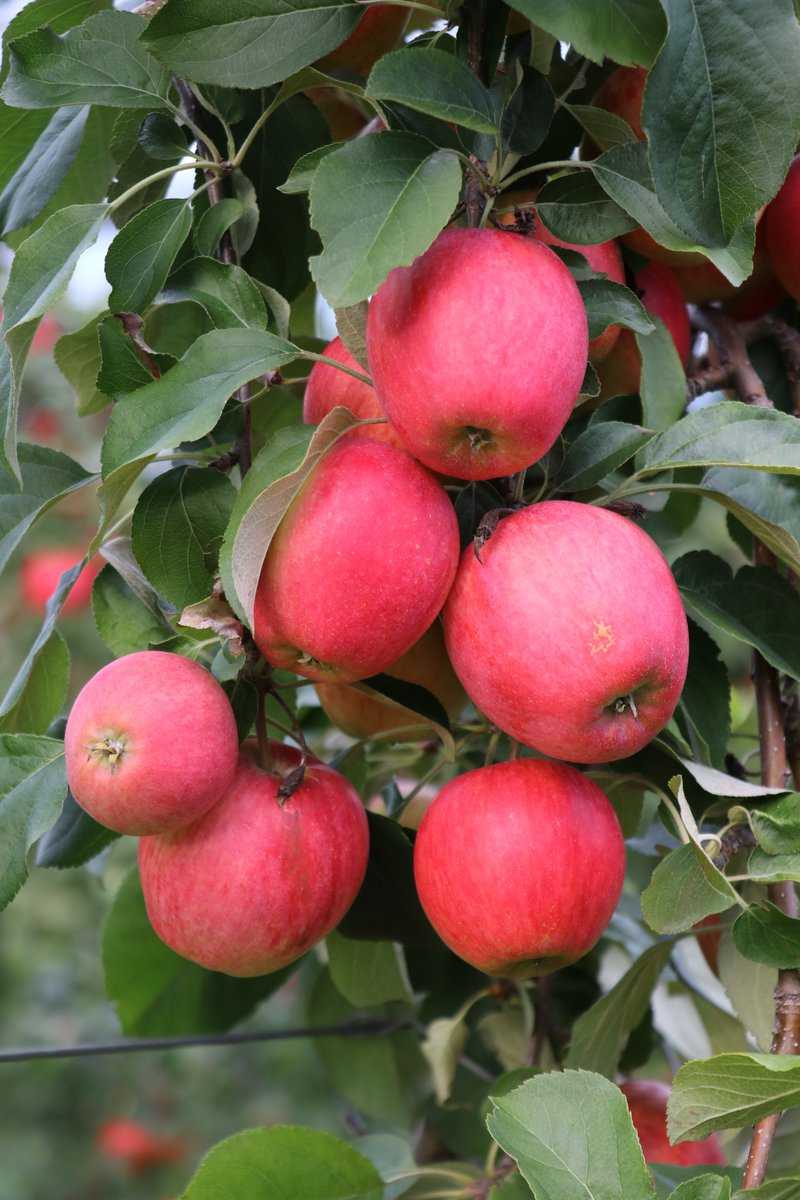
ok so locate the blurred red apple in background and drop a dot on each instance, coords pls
(647, 1100)
(41, 570)
(135, 1146)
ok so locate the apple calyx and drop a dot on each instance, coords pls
(486, 528)
(108, 750)
(624, 704)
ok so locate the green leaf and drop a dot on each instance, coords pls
(756, 606)
(163, 138)
(39, 174)
(605, 128)
(600, 1035)
(177, 530)
(729, 434)
(528, 111)
(77, 357)
(299, 179)
(74, 839)
(601, 448)
(387, 906)
(125, 621)
(216, 220)
(705, 702)
(767, 935)
(437, 83)
(284, 1161)
(722, 124)
(32, 788)
(572, 1137)
(351, 325)
(443, 1046)
(417, 701)
(101, 61)
(684, 888)
(777, 827)
(158, 994)
(226, 292)
(609, 303)
(239, 46)
(392, 1156)
(705, 1187)
(629, 31)
(730, 1091)
(367, 973)
(47, 476)
(750, 987)
(121, 369)
(776, 1189)
(188, 401)
(141, 255)
(576, 209)
(663, 382)
(773, 868)
(377, 203)
(44, 693)
(40, 272)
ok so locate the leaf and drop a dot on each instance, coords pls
(776, 1189)
(74, 839)
(717, 783)
(351, 325)
(572, 1137)
(40, 272)
(188, 401)
(77, 357)
(750, 987)
(528, 112)
(158, 994)
(576, 209)
(377, 203)
(121, 369)
(284, 1161)
(601, 448)
(773, 868)
(756, 606)
(366, 973)
(605, 128)
(239, 46)
(777, 826)
(125, 621)
(684, 888)
(704, 1187)
(608, 303)
(141, 255)
(44, 693)
(507, 1035)
(705, 702)
(729, 434)
(177, 530)
(102, 61)
(273, 481)
(417, 701)
(722, 126)
(299, 179)
(442, 1046)
(163, 138)
(730, 1091)
(387, 906)
(392, 1156)
(47, 476)
(32, 788)
(216, 220)
(437, 83)
(600, 1035)
(227, 293)
(629, 31)
(764, 934)
(663, 381)
(39, 174)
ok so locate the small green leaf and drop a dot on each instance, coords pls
(351, 325)
(366, 973)
(705, 1187)
(767, 935)
(141, 255)
(729, 434)
(750, 988)
(124, 620)
(39, 175)
(74, 839)
(442, 1046)
(609, 303)
(663, 381)
(228, 294)
(705, 702)
(777, 826)
(163, 138)
(627, 31)
(730, 1091)
(32, 789)
(77, 357)
(575, 208)
(44, 693)
(601, 448)
(605, 128)
(216, 220)
(47, 476)
(684, 888)
(437, 83)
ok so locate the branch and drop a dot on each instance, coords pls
(734, 361)
(730, 338)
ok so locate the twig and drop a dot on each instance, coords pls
(133, 324)
(733, 356)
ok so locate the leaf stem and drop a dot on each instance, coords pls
(556, 165)
(332, 362)
(197, 165)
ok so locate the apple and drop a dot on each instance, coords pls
(478, 351)
(46, 335)
(759, 293)
(41, 570)
(781, 221)
(569, 633)
(647, 1100)
(328, 387)
(503, 860)
(426, 664)
(137, 1147)
(150, 743)
(360, 565)
(660, 293)
(379, 30)
(344, 118)
(602, 257)
(708, 941)
(256, 882)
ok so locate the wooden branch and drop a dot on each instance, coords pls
(726, 334)
(733, 356)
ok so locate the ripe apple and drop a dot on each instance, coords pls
(759, 293)
(379, 30)
(503, 860)
(46, 335)
(659, 292)
(360, 566)
(327, 387)
(344, 118)
(709, 941)
(781, 220)
(137, 1147)
(150, 743)
(41, 570)
(602, 257)
(478, 351)
(569, 633)
(426, 664)
(647, 1100)
(255, 882)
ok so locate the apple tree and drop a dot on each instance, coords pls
(425, 643)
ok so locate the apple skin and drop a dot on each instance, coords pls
(602, 257)
(359, 567)
(782, 218)
(254, 884)
(709, 942)
(426, 664)
(379, 30)
(759, 293)
(41, 570)
(661, 295)
(571, 609)
(137, 1147)
(501, 863)
(150, 743)
(478, 351)
(327, 388)
(647, 1100)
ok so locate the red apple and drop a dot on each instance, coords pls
(426, 664)
(343, 116)
(709, 941)
(602, 257)
(647, 1100)
(360, 566)
(327, 387)
(379, 30)
(658, 289)
(46, 335)
(41, 571)
(478, 351)
(137, 1147)
(782, 220)
(503, 860)
(569, 633)
(150, 743)
(255, 882)
(759, 293)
